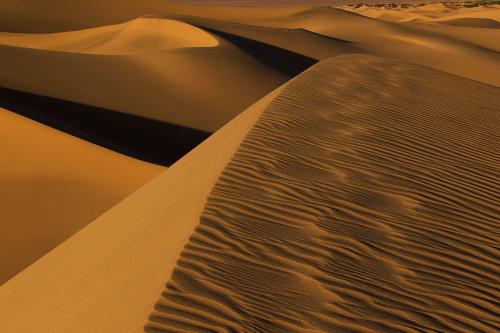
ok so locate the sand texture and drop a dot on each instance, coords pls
(249, 166)
(355, 204)
(133, 247)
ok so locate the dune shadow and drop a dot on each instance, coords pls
(142, 138)
(286, 61)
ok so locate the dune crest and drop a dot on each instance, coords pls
(355, 204)
(140, 35)
(131, 247)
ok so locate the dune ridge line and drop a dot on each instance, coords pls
(355, 204)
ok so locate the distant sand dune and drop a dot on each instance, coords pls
(137, 36)
(399, 41)
(299, 40)
(365, 199)
(185, 86)
(433, 12)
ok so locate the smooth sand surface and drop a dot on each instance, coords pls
(365, 199)
(107, 277)
(57, 16)
(186, 86)
(140, 35)
(399, 41)
(52, 185)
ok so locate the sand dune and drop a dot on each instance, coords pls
(137, 36)
(40, 17)
(295, 40)
(52, 185)
(399, 41)
(158, 85)
(434, 12)
(354, 189)
(133, 249)
(142, 72)
(355, 204)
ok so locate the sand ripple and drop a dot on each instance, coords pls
(365, 199)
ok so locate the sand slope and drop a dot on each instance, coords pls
(364, 198)
(399, 41)
(52, 185)
(141, 35)
(142, 68)
(107, 277)
(186, 86)
(355, 204)
(57, 15)
(356, 189)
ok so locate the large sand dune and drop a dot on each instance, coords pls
(400, 41)
(160, 85)
(146, 69)
(117, 265)
(355, 204)
(52, 185)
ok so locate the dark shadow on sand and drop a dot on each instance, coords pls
(142, 138)
(289, 62)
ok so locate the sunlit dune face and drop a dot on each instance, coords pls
(134, 37)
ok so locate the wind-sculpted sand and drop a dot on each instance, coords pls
(141, 35)
(133, 247)
(365, 199)
(330, 169)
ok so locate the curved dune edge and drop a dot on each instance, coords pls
(52, 185)
(357, 203)
(156, 85)
(141, 35)
(107, 277)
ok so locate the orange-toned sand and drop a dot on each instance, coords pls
(348, 206)
(52, 185)
(118, 264)
(351, 206)
(142, 70)
(352, 183)
(134, 37)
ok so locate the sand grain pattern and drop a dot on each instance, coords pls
(365, 199)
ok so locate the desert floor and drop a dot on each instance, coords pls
(182, 167)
